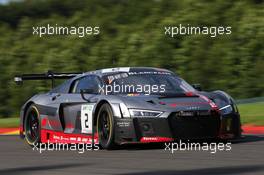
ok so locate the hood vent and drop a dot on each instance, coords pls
(151, 101)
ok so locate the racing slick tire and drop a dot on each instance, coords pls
(32, 125)
(105, 127)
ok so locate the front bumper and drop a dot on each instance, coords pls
(136, 130)
(230, 126)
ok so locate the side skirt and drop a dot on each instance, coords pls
(59, 137)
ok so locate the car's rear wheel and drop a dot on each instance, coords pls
(32, 126)
(105, 127)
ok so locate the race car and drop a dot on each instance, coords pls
(125, 105)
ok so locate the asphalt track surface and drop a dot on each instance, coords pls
(246, 157)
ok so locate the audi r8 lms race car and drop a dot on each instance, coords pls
(125, 105)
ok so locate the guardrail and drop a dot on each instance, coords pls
(250, 100)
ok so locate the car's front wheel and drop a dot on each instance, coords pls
(32, 126)
(105, 127)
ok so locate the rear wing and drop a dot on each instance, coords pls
(45, 76)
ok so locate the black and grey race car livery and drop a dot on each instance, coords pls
(126, 105)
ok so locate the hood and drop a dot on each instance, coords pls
(169, 103)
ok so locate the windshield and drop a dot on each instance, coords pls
(155, 83)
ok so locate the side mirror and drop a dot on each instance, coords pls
(87, 91)
(197, 87)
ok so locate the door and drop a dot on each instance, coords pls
(78, 114)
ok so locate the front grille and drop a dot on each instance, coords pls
(194, 124)
(205, 113)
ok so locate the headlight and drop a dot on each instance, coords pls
(124, 110)
(226, 109)
(144, 113)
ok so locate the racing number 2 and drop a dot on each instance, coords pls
(87, 118)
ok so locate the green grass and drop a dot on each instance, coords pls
(9, 122)
(251, 113)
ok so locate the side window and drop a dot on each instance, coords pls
(87, 82)
(63, 88)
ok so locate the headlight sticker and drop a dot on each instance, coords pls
(226, 109)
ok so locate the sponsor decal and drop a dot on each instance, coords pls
(155, 139)
(123, 124)
(60, 137)
(120, 69)
(111, 78)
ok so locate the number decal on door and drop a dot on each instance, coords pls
(87, 118)
(86, 121)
